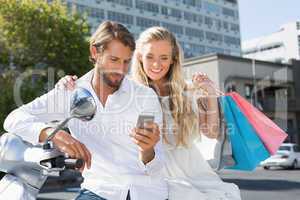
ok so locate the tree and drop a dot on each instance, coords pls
(36, 35)
(43, 34)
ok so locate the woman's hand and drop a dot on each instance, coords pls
(66, 82)
(201, 80)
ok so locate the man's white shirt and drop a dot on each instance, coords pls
(116, 167)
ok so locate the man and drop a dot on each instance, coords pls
(120, 163)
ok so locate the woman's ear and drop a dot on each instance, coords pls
(139, 57)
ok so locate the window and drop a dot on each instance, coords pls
(190, 2)
(147, 6)
(213, 37)
(120, 17)
(145, 23)
(198, 49)
(212, 8)
(173, 28)
(228, 12)
(232, 40)
(296, 148)
(231, 1)
(82, 9)
(218, 24)
(231, 88)
(69, 6)
(97, 13)
(122, 2)
(226, 26)
(208, 21)
(191, 50)
(235, 27)
(198, 4)
(214, 50)
(165, 11)
(171, 12)
(299, 44)
(285, 148)
(248, 91)
(176, 13)
(194, 33)
(193, 17)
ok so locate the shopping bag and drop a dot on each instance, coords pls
(271, 135)
(248, 150)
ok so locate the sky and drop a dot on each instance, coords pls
(262, 17)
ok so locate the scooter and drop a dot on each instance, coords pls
(28, 166)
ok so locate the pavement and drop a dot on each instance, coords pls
(275, 184)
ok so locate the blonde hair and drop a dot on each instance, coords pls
(185, 119)
(108, 31)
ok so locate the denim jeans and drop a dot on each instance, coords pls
(88, 195)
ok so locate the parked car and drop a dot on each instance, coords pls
(287, 156)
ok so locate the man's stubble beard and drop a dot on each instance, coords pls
(104, 76)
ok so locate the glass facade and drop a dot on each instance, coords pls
(201, 26)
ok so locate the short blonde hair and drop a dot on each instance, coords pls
(108, 31)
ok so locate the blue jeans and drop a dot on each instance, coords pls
(88, 195)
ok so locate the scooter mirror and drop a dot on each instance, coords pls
(83, 105)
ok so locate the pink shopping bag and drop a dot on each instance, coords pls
(271, 135)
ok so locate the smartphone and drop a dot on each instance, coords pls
(144, 119)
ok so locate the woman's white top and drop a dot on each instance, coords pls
(189, 176)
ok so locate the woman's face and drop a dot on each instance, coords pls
(156, 57)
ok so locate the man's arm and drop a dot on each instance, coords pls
(29, 120)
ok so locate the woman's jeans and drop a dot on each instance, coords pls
(88, 195)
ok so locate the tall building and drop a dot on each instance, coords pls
(202, 26)
(277, 47)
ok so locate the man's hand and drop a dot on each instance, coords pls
(65, 143)
(146, 138)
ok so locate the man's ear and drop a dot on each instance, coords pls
(93, 51)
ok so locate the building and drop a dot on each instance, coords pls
(277, 85)
(202, 26)
(277, 47)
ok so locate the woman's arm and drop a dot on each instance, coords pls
(209, 119)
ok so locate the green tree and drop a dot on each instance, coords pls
(36, 35)
(42, 34)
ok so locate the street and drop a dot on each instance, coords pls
(275, 184)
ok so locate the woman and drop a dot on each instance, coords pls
(157, 63)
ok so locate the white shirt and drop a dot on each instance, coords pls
(116, 167)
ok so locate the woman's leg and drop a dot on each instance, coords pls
(88, 195)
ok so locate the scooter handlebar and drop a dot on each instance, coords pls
(71, 163)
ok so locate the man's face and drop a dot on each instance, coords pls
(113, 63)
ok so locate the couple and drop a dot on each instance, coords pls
(157, 162)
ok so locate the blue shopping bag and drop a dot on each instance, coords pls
(247, 148)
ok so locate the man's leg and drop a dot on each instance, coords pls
(88, 195)
(128, 195)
